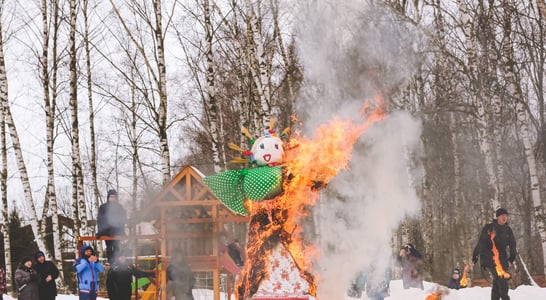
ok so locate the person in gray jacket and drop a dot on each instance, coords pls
(26, 280)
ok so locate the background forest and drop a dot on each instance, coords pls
(121, 94)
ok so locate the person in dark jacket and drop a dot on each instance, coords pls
(26, 280)
(180, 278)
(411, 261)
(88, 268)
(455, 280)
(48, 273)
(499, 234)
(120, 277)
(111, 220)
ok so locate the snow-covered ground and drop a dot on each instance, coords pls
(523, 292)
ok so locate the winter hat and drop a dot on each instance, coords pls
(111, 192)
(501, 211)
(85, 248)
(25, 259)
(456, 271)
(38, 254)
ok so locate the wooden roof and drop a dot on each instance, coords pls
(187, 189)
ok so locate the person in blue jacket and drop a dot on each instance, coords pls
(88, 268)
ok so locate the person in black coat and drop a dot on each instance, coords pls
(120, 277)
(499, 232)
(111, 220)
(48, 273)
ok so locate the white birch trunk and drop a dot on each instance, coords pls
(525, 133)
(212, 109)
(4, 197)
(16, 144)
(484, 139)
(77, 175)
(260, 67)
(92, 146)
(50, 109)
(162, 86)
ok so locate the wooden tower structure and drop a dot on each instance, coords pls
(189, 218)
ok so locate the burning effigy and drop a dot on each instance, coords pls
(276, 193)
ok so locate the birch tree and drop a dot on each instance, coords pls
(91, 107)
(17, 149)
(4, 175)
(49, 85)
(80, 207)
(516, 95)
(155, 68)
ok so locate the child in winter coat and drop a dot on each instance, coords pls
(455, 280)
(88, 268)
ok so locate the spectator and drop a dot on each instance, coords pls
(48, 273)
(120, 277)
(455, 280)
(26, 280)
(180, 279)
(411, 261)
(88, 268)
(111, 220)
(3, 286)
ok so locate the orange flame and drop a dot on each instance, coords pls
(434, 296)
(496, 259)
(309, 165)
(464, 281)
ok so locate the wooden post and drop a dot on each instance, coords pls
(163, 229)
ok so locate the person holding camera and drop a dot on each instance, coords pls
(88, 268)
(411, 261)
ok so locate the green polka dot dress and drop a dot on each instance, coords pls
(235, 186)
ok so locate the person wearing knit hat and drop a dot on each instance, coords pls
(111, 220)
(26, 280)
(501, 211)
(497, 234)
(88, 268)
(48, 273)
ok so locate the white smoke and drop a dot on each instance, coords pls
(352, 52)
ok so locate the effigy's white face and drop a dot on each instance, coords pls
(267, 151)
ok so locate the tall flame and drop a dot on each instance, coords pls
(464, 281)
(309, 165)
(496, 259)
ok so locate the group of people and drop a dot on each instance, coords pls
(111, 221)
(496, 234)
(35, 280)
